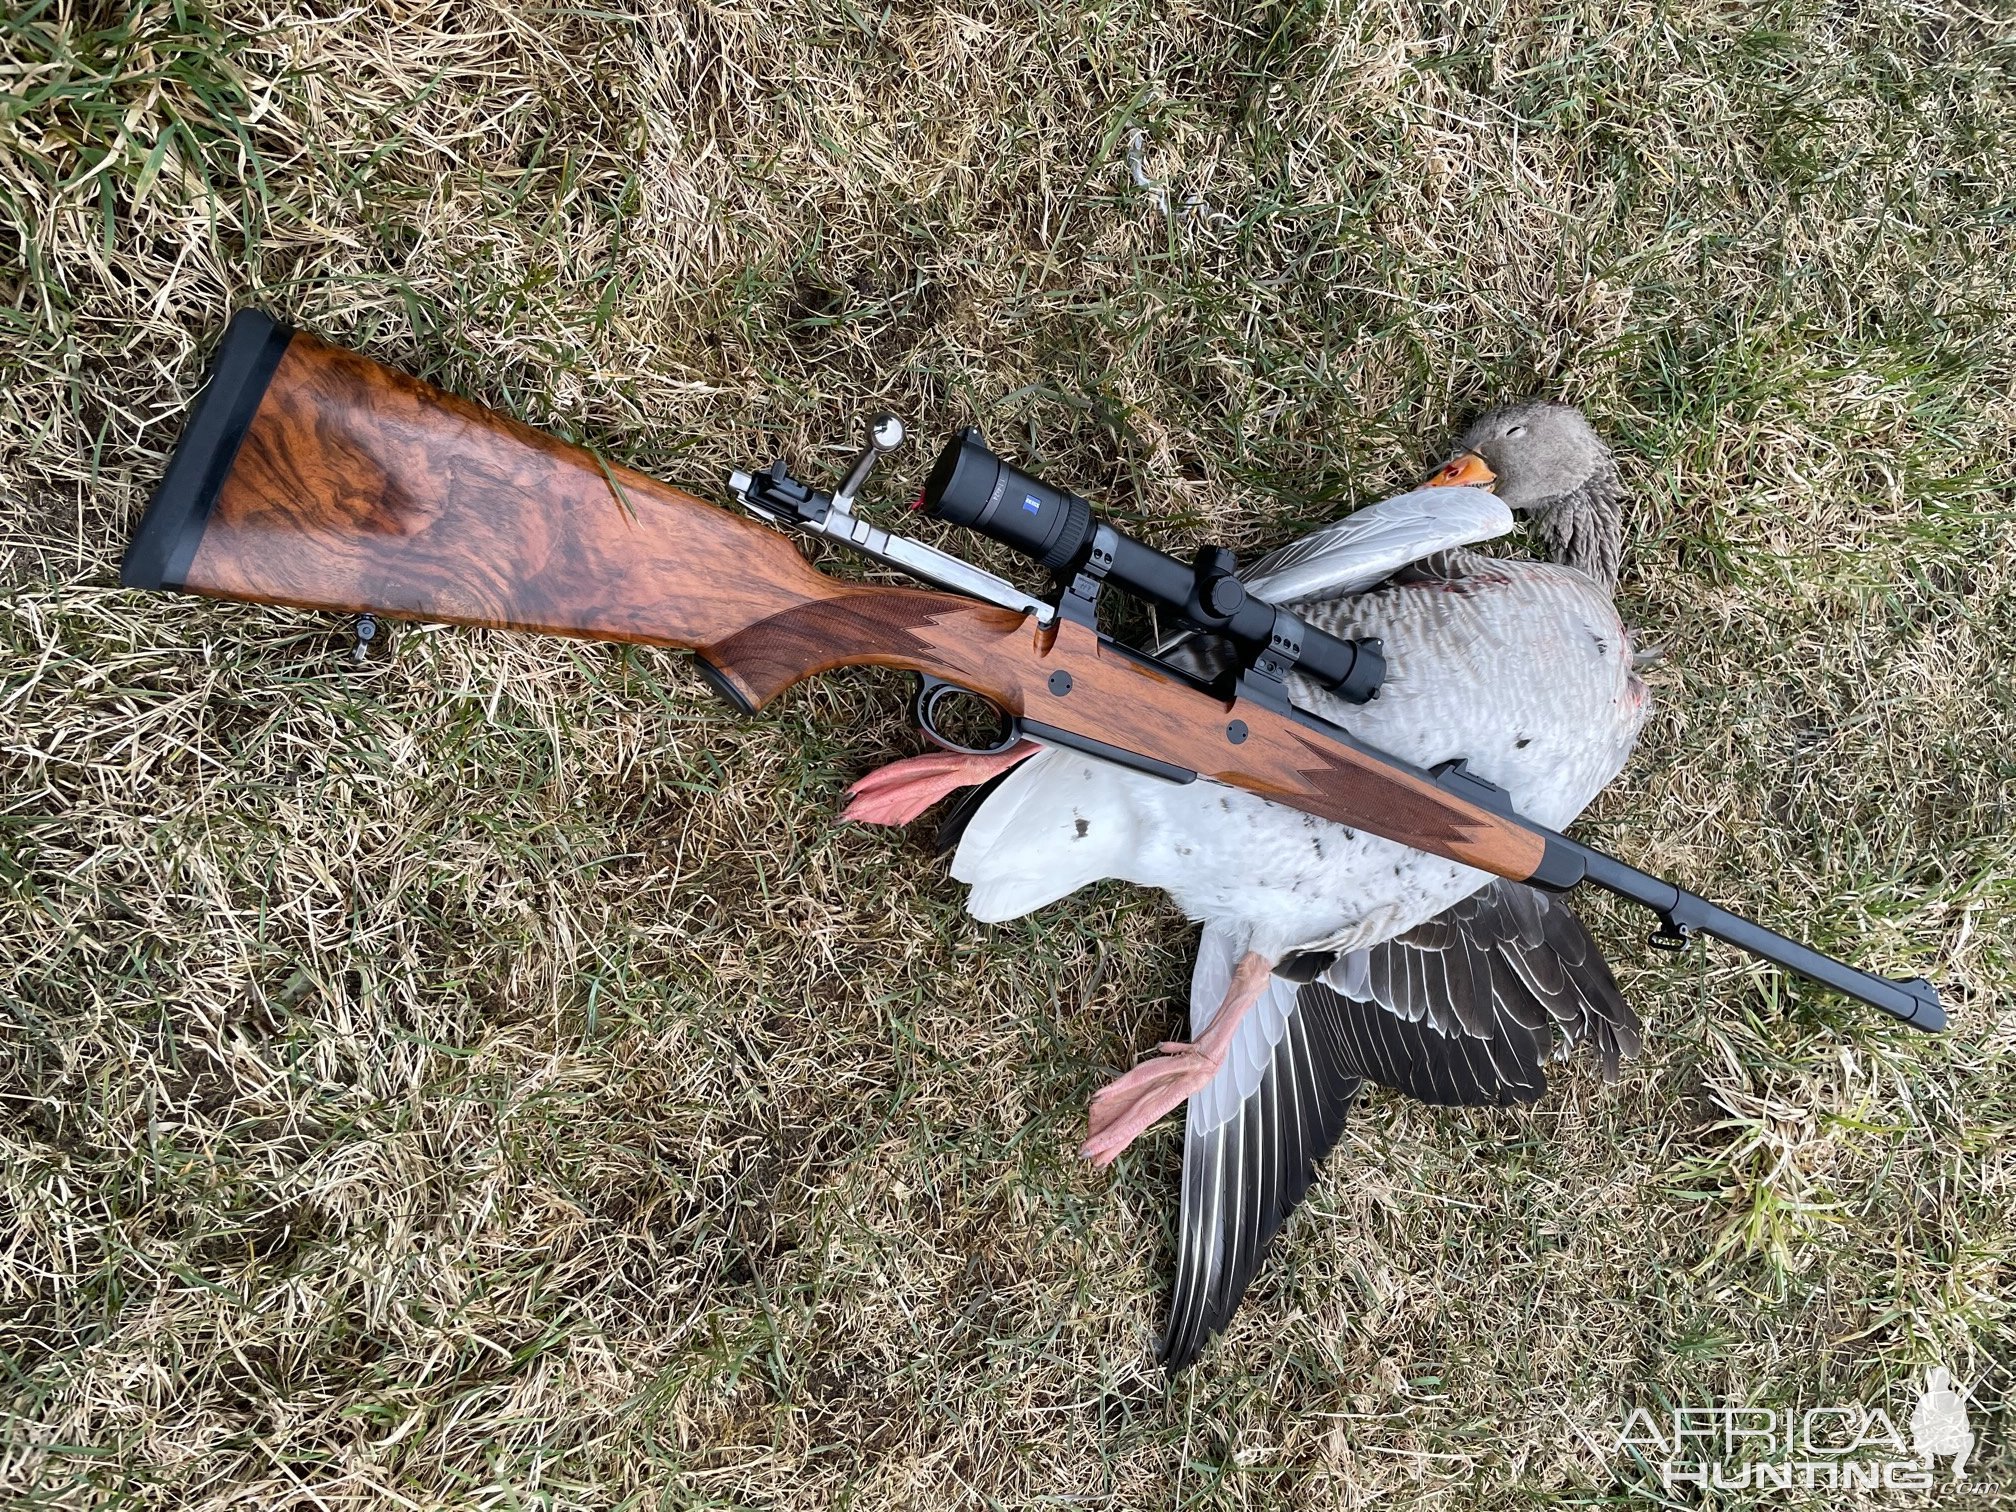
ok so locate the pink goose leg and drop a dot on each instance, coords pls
(1124, 1108)
(899, 792)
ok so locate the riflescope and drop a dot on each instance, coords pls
(971, 486)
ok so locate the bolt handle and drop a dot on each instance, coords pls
(883, 433)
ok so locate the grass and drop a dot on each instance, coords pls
(490, 1078)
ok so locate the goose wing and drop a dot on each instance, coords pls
(1369, 546)
(1461, 1010)
(1464, 1009)
(1358, 552)
(1252, 1139)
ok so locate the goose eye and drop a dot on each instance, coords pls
(1517, 430)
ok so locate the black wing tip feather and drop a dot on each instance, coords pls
(1275, 1143)
(1606, 1020)
(1466, 1009)
(1533, 978)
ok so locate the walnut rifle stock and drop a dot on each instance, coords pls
(314, 477)
(352, 487)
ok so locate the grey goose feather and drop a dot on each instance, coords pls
(1423, 975)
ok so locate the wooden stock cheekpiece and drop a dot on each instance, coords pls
(314, 477)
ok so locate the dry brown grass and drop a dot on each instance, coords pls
(491, 1079)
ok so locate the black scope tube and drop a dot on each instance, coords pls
(970, 486)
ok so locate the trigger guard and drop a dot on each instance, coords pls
(931, 690)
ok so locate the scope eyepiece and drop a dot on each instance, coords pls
(971, 486)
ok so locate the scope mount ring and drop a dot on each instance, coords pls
(932, 693)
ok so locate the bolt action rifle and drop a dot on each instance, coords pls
(314, 477)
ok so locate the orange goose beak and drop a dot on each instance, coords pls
(1466, 471)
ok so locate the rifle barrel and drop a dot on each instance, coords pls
(1914, 1000)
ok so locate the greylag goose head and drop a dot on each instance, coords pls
(1546, 462)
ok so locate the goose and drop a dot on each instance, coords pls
(1331, 957)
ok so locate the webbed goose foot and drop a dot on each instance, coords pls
(899, 792)
(1123, 1109)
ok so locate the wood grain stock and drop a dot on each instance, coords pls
(359, 488)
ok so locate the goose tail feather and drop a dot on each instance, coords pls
(1058, 822)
